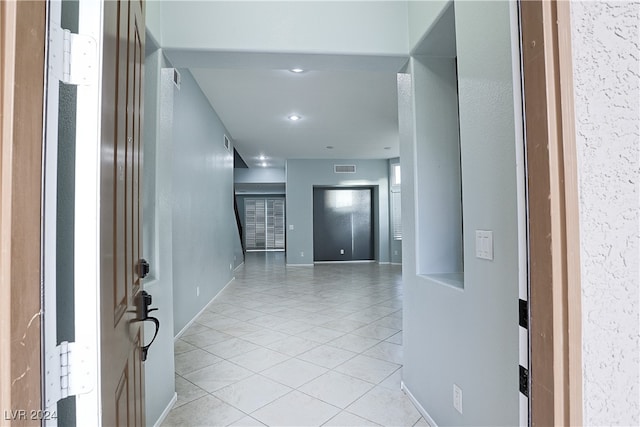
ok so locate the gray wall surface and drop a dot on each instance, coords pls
(437, 152)
(469, 336)
(204, 235)
(302, 175)
(157, 246)
(259, 175)
(189, 233)
(606, 71)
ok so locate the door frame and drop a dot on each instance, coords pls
(375, 224)
(22, 59)
(555, 319)
(555, 329)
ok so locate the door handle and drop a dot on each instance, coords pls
(143, 301)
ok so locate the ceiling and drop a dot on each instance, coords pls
(353, 110)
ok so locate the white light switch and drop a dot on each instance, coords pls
(290, 226)
(484, 244)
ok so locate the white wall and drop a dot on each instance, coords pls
(422, 14)
(469, 336)
(345, 27)
(605, 38)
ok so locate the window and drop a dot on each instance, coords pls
(396, 211)
(395, 176)
(264, 224)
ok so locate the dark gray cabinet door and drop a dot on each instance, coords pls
(342, 224)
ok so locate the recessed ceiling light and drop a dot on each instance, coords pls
(294, 117)
(297, 70)
(262, 157)
(329, 147)
(263, 164)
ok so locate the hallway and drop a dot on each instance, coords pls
(296, 346)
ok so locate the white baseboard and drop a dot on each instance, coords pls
(418, 406)
(396, 263)
(166, 411)
(179, 334)
(299, 265)
(366, 261)
(384, 262)
(239, 265)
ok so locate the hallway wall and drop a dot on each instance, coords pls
(302, 175)
(189, 233)
(204, 232)
(157, 215)
(466, 336)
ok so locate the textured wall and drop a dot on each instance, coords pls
(606, 71)
(467, 337)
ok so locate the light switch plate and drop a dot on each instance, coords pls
(484, 244)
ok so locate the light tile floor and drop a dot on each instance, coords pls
(296, 346)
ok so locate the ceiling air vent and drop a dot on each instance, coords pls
(344, 168)
(226, 142)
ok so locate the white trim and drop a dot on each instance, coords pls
(166, 411)
(359, 261)
(87, 215)
(521, 196)
(192, 321)
(49, 213)
(299, 265)
(396, 263)
(384, 262)
(417, 404)
(239, 265)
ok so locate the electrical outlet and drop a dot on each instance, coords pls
(291, 227)
(395, 252)
(230, 266)
(302, 254)
(457, 398)
(341, 251)
(197, 291)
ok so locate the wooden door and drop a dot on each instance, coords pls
(122, 336)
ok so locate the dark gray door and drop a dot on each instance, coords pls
(342, 224)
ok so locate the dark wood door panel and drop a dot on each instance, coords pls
(122, 336)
